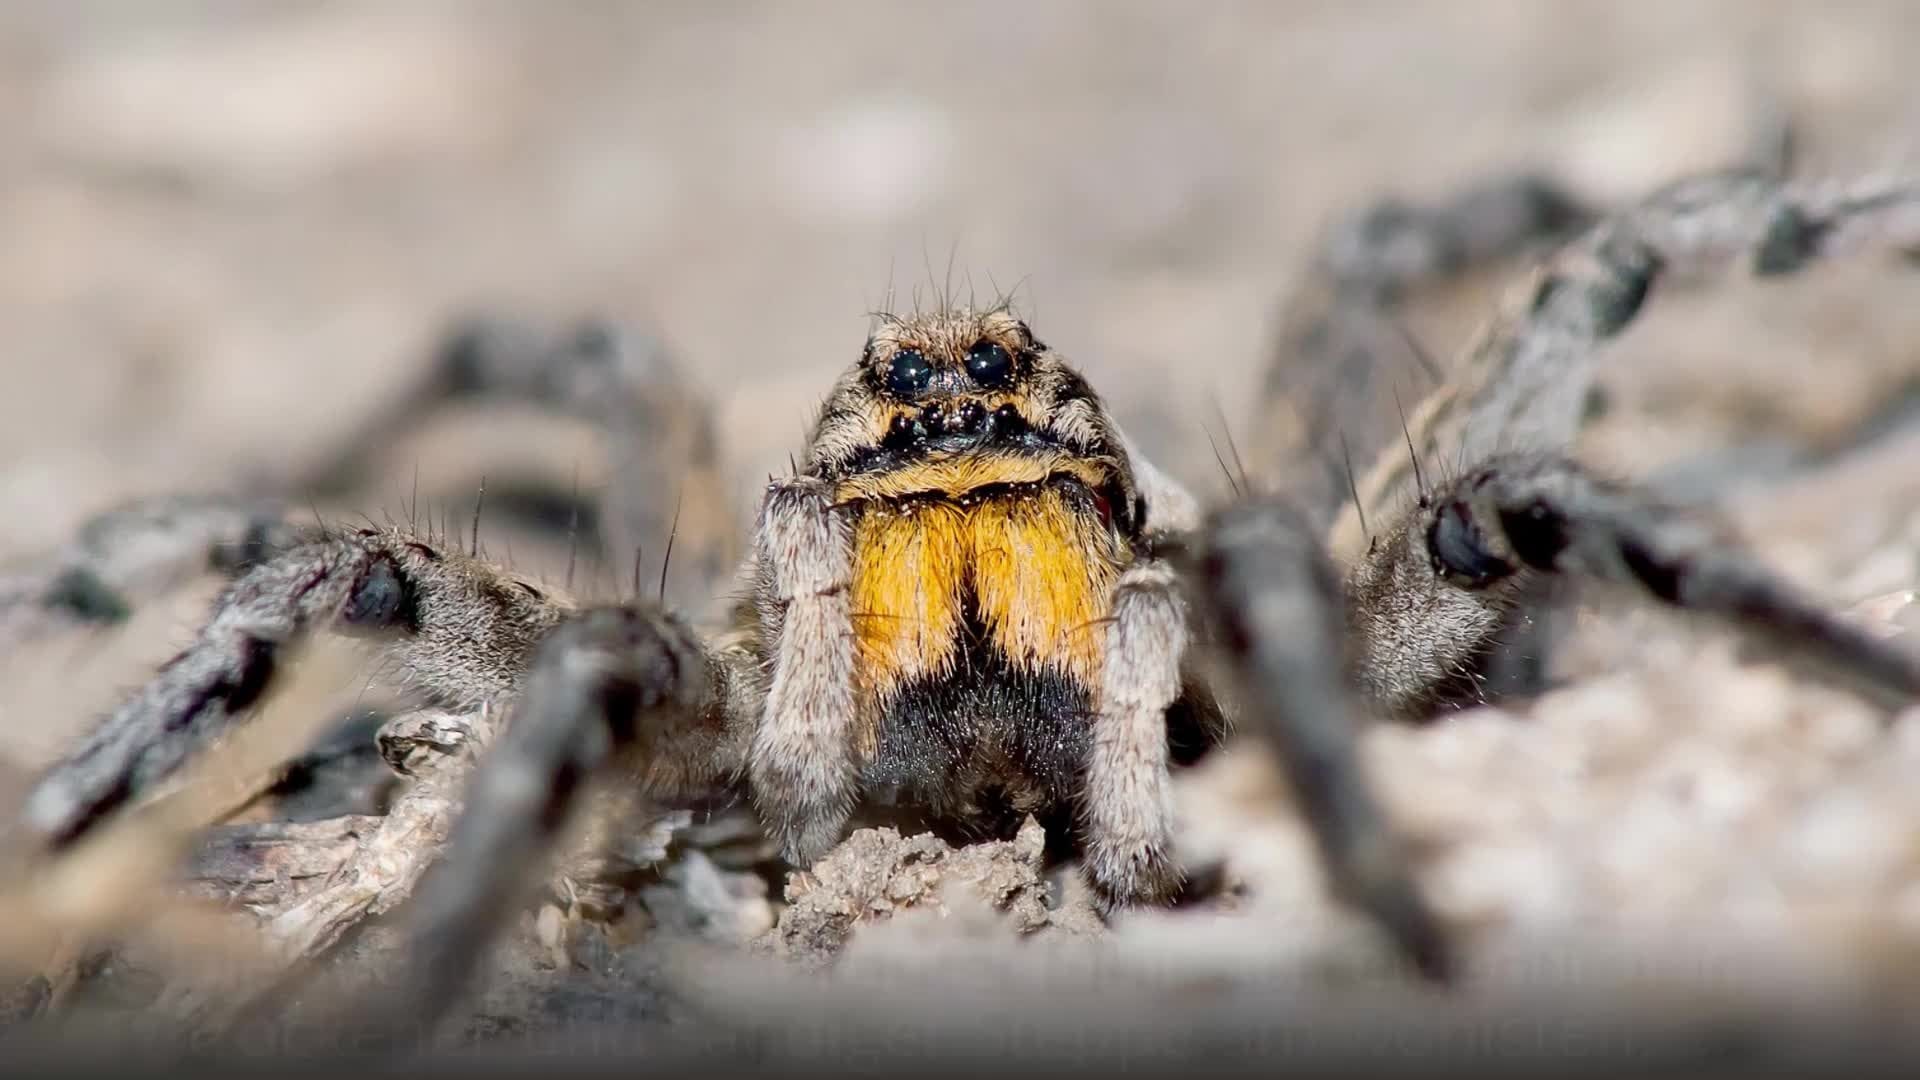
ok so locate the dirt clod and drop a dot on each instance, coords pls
(877, 874)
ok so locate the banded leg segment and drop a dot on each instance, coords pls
(1546, 515)
(124, 556)
(1523, 382)
(1434, 594)
(457, 628)
(1423, 640)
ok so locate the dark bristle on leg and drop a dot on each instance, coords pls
(1272, 600)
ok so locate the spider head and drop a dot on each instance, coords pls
(956, 404)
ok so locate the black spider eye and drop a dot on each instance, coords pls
(380, 598)
(1459, 551)
(909, 373)
(989, 364)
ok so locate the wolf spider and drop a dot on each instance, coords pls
(974, 600)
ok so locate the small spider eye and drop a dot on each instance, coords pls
(989, 364)
(909, 373)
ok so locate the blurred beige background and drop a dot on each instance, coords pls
(232, 230)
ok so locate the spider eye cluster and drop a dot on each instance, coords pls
(970, 419)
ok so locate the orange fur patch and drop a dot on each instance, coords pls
(1041, 571)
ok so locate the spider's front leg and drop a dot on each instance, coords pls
(1432, 595)
(637, 690)
(1269, 615)
(1271, 607)
(619, 693)
(1546, 515)
(1431, 588)
(455, 627)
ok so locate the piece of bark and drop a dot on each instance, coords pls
(274, 863)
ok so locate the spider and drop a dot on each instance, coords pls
(974, 600)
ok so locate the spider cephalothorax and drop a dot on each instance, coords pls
(974, 600)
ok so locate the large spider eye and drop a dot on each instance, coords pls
(1459, 551)
(989, 364)
(909, 373)
(380, 598)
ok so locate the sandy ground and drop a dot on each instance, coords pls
(237, 230)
